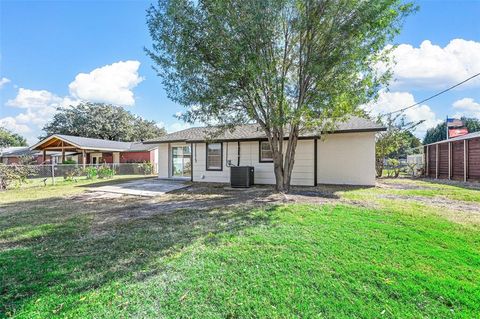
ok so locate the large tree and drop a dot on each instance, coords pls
(98, 120)
(288, 65)
(439, 132)
(8, 138)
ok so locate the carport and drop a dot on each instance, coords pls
(91, 150)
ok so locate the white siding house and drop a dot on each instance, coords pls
(345, 156)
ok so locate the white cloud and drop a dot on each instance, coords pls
(431, 66)
(30, 99)
(112, 83)
(4, 81)
(393, 101)
(467, 107)
(37, 106)
(11, 124)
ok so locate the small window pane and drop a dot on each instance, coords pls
(214, 156)
(265, 151)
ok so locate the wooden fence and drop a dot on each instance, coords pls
(457, 160)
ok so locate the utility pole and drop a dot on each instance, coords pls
(53, 170)
(446, 125)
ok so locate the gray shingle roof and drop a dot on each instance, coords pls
(99, 144)
(16, 151)
(254, 132)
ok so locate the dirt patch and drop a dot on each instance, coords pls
(405, 186)
(441, 202)
(440, 182)
(111, 208)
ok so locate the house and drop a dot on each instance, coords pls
(85, 150)
(13, 155)
(346, 156)
(456, 158)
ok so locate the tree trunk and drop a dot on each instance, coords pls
(379, 166)
(283, 164)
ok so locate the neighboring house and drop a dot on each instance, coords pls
(456, 158)
(85, 150)
(13, 155)
(345, 156)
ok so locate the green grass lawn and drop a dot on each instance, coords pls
(393, 259)
(36, 188)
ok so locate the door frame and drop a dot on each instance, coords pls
(171, 164)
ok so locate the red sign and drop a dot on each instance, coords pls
(454, 132)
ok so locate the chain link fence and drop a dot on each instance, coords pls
(68, 170)
(15, 174)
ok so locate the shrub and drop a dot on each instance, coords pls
(15, 173)
(146, 167)
(394, 167)
(91, 172)
(70, 174)
(69, 161)
(105, 172)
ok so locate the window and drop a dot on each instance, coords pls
(266, 154)
(214, 156)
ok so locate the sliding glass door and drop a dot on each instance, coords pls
(181, 161)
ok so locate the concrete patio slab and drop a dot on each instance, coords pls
(146, 187)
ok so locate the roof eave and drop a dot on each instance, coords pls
(376, 129)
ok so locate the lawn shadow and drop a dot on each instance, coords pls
(75, 245)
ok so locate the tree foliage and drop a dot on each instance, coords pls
(287, 65)
(104, 121)
(395, 141)
(9, 139)
(439, 132)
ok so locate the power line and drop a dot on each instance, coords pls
(431, 97)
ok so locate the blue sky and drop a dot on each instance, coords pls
(45, 45)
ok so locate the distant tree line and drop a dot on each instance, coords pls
(9, 139)
(103, 121)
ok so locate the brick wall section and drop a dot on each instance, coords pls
(129, 157)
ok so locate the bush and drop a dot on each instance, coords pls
(15, 173)
(72, 173)
(394, 167)
(69, 161)
(147, 168)
(91, 172)
(105, 172)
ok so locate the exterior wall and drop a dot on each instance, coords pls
(116, 157)
(303, 170)
(10, 160)
(347, 158)
(163, 160)
(14, 160)
(135, 157)
(154, 161)
(200, 173)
